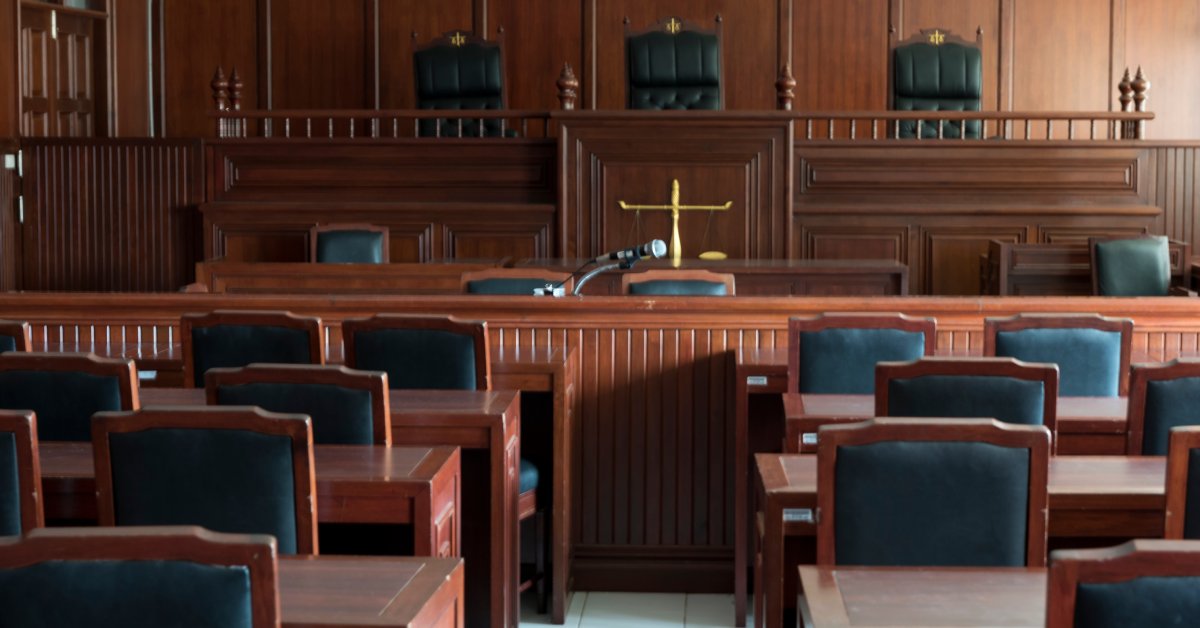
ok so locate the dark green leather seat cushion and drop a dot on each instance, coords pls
(506, 286)
(1191, 515)
(10, 487)
(678, 288)
(1146, 602)
(418, 358)
(340, 416)
(681, 71)
(125, 594)
(1133, 268)
(7, 343)
(238, 345)
(64, 401)
(351, 246)
(967, 396)
(528, 477)
(931, 503)
(1169, 403)
(1089, 360)
(223, 480)
(948, 77)
(842, 361)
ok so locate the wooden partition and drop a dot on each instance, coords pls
(653, 498)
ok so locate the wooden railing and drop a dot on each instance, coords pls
(992, 125)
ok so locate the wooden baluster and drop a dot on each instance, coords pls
(525, 128)
(1071, 129)
(1028, 128)
(1092, 129)
(1126, 99)
(287, 127)
(853, 124)
(874, 128)
(235, 102)
(308, 128)
(1049, 129)
(568, 88)
(785, 88)
(329, 127)
(920, 128)
(220, 96)
(808, 135)
(896, 130)
(829, 134)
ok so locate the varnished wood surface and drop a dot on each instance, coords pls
(1100, 497)
(330, 591)
(309, 278)
(920, 598)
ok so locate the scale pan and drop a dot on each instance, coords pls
(713, 255)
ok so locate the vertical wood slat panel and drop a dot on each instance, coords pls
(111, 215)
(1175, 190)
(9, 228)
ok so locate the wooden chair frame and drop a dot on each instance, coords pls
(20, 331)
(1140, 376)
(1183, 440)
(120, 368)
(297, 427)
(1021, 322)
(849, 320)
(1133, 559)
(188, 322)
(167, 543)
(374, 382)
(1034, 437)
(549, 276)
(477, 330)
(1185, 252)
(22, 424)
(725, 279)
(316, 230)
(1047, 374)
(685, 26)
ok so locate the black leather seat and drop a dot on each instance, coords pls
(936, 71)
(460, 71)
(673, 65)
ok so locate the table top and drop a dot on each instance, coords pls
(931, 596)
(359, 591)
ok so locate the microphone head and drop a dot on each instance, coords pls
(657, 248)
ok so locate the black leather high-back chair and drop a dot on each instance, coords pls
(15, 336)
(937, 71)
(20, 473)
(347, 407)
(674, 65)
(460, 71)
(64, 390)
(229, 469)
(138, 578)
(233, 338)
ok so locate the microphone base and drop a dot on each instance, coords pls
(550, 291)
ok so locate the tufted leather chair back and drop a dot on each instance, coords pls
(459, 71)
(674, 67)
(937, 77)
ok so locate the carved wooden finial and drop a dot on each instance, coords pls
(568, 88)
(1140, 86)
(235, 90)
(785, 88)
(220, 90)
(1126, 89)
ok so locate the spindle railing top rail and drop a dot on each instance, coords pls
(989, 125)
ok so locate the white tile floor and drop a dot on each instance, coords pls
(638, 610)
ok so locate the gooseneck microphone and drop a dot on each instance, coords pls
(653, 248)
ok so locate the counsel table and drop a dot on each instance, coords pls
(486, 425)
(917, 598)
(1090, 496)
(338, 592)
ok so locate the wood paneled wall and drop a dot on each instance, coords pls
(10, 246)
(110, 215)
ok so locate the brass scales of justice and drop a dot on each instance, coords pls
(675, 208)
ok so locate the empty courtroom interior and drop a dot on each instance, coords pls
(599, 312)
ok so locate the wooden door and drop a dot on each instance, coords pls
(63, 79)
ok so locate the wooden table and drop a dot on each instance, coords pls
(1085, 425)
(341, 592)
(487, 426)
(1090, 496)
(923, 597)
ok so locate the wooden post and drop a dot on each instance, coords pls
(785, 88)
(235, 101)
(1140, 87)
(220, 96)
(568, 88)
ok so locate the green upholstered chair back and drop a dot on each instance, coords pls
(1141, 584)
(514, 281)
(138, 578)
(226, 338)
(229, 469)
(66, 389)
(837, 353)
(15, 336)
(678, 283)
(1183, 483)
(921, 493)
(420, 352)
(674, 66)
(1161, 397)
(1131, 267)
(20, 475)
(1092, 352)
(349, 244)
(347, 407)
(459, 71)
(944, 76)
